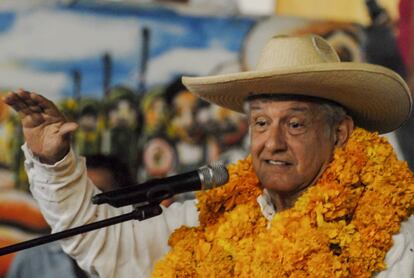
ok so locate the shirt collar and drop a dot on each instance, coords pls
(266, 205)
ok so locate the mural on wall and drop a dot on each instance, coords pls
(116, 71)
(98, 63)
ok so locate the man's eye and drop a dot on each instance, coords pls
(295, 125)
(259, 124)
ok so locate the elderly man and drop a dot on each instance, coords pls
(316, 198)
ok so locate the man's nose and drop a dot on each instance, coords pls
(276, 140)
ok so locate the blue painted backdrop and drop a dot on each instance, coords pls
(79, 55)
(40, 48)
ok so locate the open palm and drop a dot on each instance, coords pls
(46, 131)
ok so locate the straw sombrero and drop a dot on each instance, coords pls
(377, 98)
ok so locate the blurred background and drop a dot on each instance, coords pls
(114, 67)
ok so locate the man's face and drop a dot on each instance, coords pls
(290, 144)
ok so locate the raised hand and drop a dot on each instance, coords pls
(45, 129)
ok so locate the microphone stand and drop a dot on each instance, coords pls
(139, 213)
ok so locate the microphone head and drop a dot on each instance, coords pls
(213, 175)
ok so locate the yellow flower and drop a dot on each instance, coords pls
(340, 227)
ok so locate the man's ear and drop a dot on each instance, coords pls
(343, 131)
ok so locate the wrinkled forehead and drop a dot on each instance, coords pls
(306, 101)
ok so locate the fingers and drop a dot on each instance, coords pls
(31, 103)
(18, 104)
(27, 97)
(47, 106)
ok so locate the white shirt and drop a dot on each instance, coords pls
(129, 249)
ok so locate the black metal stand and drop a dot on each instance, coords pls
(139, 213)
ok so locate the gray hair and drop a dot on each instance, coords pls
(333, 112)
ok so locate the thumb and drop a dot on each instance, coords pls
(68, 127)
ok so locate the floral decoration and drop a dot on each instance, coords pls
(340, 227)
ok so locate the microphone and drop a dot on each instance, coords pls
(156, 190)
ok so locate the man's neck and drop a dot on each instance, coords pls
(282, 201)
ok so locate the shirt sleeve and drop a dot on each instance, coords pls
(128, 249)
(400, 258)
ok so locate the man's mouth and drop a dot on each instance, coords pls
(278, 162)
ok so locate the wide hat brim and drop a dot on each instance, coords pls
(376, 98)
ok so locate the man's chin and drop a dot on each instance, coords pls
(283, 189)
(279, 188)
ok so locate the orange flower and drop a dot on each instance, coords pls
(340, 227)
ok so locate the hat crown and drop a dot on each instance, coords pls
(285, 51)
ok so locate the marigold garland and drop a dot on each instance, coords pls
(340, 227)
